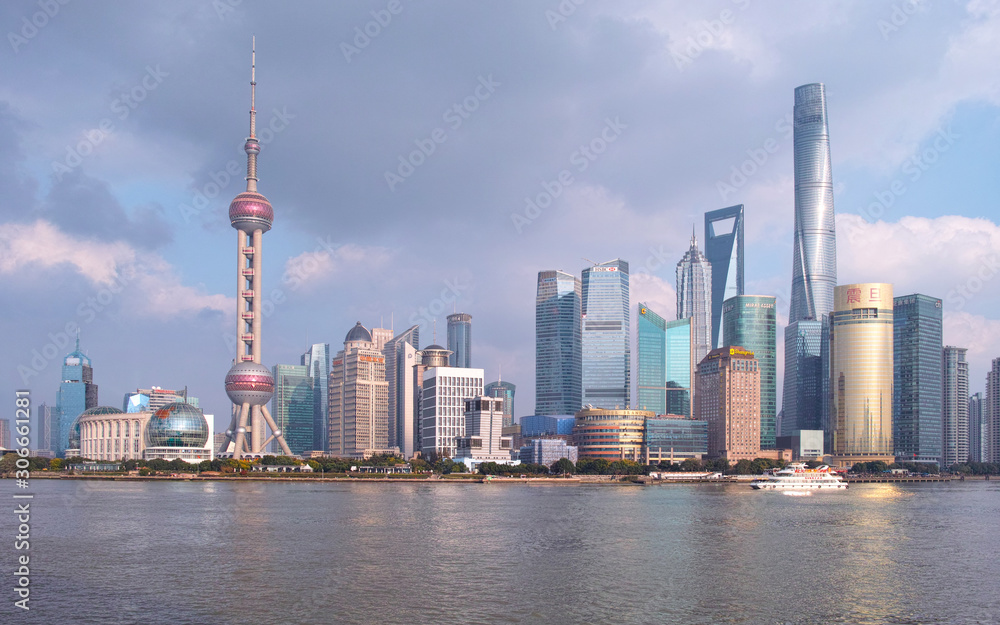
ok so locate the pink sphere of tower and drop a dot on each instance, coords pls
(251, 211)
(249, 383)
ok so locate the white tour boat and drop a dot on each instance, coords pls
(796, 476)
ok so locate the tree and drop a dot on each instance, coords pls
(56, 464)
(8, 463)
(564, 466)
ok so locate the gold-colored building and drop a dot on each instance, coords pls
(612, 434)
(861, 373)
(727, 396)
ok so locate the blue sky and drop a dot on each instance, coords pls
(130, 241)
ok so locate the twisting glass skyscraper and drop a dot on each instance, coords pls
(814, 268)
(557, 344)
(694, 298)
(724, 250)
(607, 344)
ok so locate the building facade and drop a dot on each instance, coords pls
(317, 360)
(991, 415)
(728, 400)
(558, 344)
(359, 398)
(294, 407)
(917, 404)
(547, 425)
(483, 440)
(505, 391)
(402, 360)
(611, 434)
(606, 335)
(651, 360)
(724, 251)
(861, 359)
(460, 340)
(955, 416)
(806, 391)
(674, 438)
(5, 434)
(43, 427)
(77, 393)
(751, 322)
(547, 451)
(694, 298)
(443, 396)
(976, 424)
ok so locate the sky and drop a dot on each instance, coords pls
(430, 157)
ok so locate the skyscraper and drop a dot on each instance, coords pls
(505, 391)
(861, 369)
(77, 392)
(443, 396)
(249, 384)
(991, 415)
(401, 358)
(558, 344)
(294, 406)
(680, 368)
(976, 427)
(750, 321)
(917, 378)
(460, 340)
(359, 398)
(607, 343)
(5, 433)
(694, 298)
(814, 268)
(724, 250)
(728, 398)
(43, 427)
(317, 360)
(651, 361)
(955, 417)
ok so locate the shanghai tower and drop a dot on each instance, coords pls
(814, 268)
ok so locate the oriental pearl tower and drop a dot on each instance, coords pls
(249, 384)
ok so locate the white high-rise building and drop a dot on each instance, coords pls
(991, 415)
(443, 396)
(483, 440)
(955, 415)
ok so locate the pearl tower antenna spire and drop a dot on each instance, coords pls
(249, 384)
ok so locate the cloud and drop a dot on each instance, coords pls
(982, 338)
(334, 264)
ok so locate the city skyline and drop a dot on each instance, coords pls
(142, 265)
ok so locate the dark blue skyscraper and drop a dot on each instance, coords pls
(460, 340)
(505, 391)
(557, 344)
(917, 402)
(724, 249)
(294, 407)
(651, 361)
(607, 345)
(814, 268)
(77, 393)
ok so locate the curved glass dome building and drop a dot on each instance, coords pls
(177, 425)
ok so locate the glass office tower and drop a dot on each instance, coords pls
(77, 392)
(976, 427)
(916, 401)
(680, 367)
(317, 360)
(814, 267)
(861, 366)
(724, 250)
(293, 406)
(505, 391)
(651, 361)
(460, 340)
(749, 321)
(607, 344)
(400, 359)
(694, 298)
(558, 342)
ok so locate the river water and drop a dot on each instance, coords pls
(288, 553)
